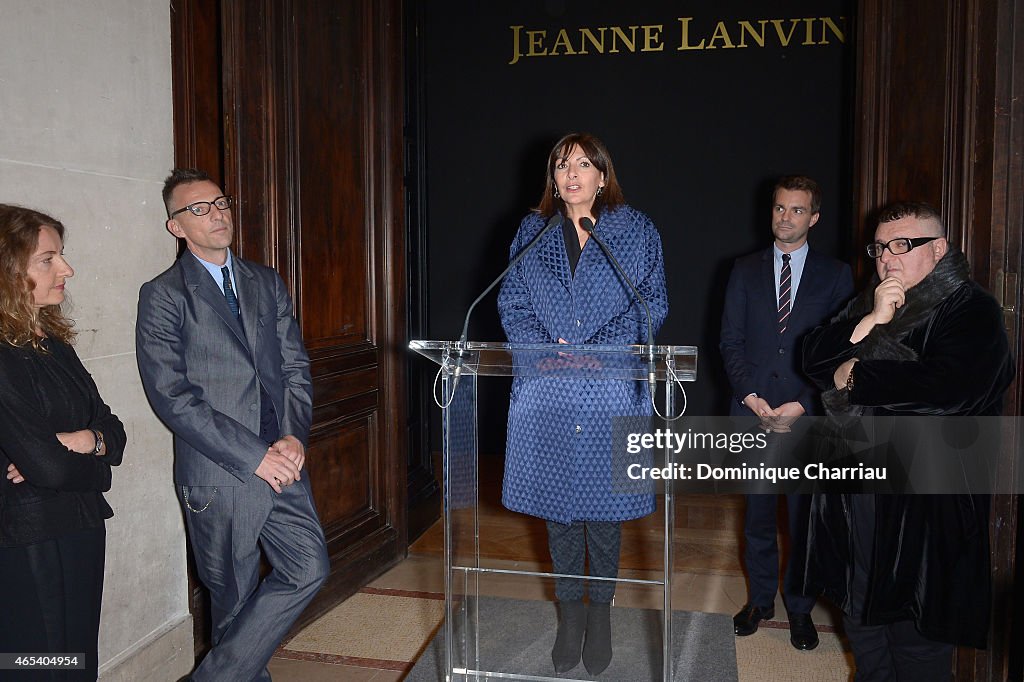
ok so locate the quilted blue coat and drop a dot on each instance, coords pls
(558, 457)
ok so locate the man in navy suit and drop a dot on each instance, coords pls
(223, 364)
(774, 297)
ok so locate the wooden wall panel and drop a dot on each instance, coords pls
(424, 491)
(341, 126)
(904, 100)
(196, 75)
(915, 162)
(348, 487)
(327, 74)
(996, 200)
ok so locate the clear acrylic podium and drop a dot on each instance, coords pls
(466, 635)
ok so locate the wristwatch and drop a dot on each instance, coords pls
(99, 441)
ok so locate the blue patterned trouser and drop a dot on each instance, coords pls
(571, 543)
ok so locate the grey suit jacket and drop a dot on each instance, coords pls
(200, 368)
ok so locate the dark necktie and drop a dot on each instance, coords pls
(785, 289)
(229, 292)
(269, 429)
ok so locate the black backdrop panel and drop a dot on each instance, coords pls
(697, 135)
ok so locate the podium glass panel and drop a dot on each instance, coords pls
(461, 522)
(632, 363)
(500, 613)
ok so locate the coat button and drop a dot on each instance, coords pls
(782, 351)
(254, 407)
(579, 429)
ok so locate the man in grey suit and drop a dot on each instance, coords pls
(224, 367)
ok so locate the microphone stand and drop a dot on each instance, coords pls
(588, 225)
(461, 345)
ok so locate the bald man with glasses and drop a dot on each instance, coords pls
(911, 572)
(224, 366)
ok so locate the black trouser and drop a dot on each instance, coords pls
(896, 651)
(51, 604)
(761, 552)
(571, 543)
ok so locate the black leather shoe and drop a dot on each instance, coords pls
(802, 634)
(745, 622)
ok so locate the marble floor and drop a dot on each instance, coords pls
(707, 573)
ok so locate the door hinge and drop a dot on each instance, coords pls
(1006, 295)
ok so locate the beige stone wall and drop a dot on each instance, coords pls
(85, 135)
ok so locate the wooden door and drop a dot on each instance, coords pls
(940, 119)
(296, 107)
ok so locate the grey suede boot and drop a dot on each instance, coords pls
(569, 640)
(597, 652)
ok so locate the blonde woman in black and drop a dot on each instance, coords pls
(58, 441)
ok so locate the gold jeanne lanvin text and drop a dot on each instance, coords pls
(688, 35)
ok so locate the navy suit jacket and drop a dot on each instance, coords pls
(757, 358)
(202, 369)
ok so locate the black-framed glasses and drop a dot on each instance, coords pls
(203, 207)
(898, 246)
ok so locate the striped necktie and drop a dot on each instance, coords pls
(229, 292)
(785, 289)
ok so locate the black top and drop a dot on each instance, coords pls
(42, 394)
(572, 244)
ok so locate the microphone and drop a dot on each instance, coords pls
(554, 220)
(588, 225)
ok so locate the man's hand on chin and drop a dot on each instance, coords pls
(890, 294)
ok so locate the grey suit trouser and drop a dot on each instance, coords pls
(250, 618)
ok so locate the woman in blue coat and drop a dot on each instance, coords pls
(558, 462)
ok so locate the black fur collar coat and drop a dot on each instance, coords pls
(945, 353)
